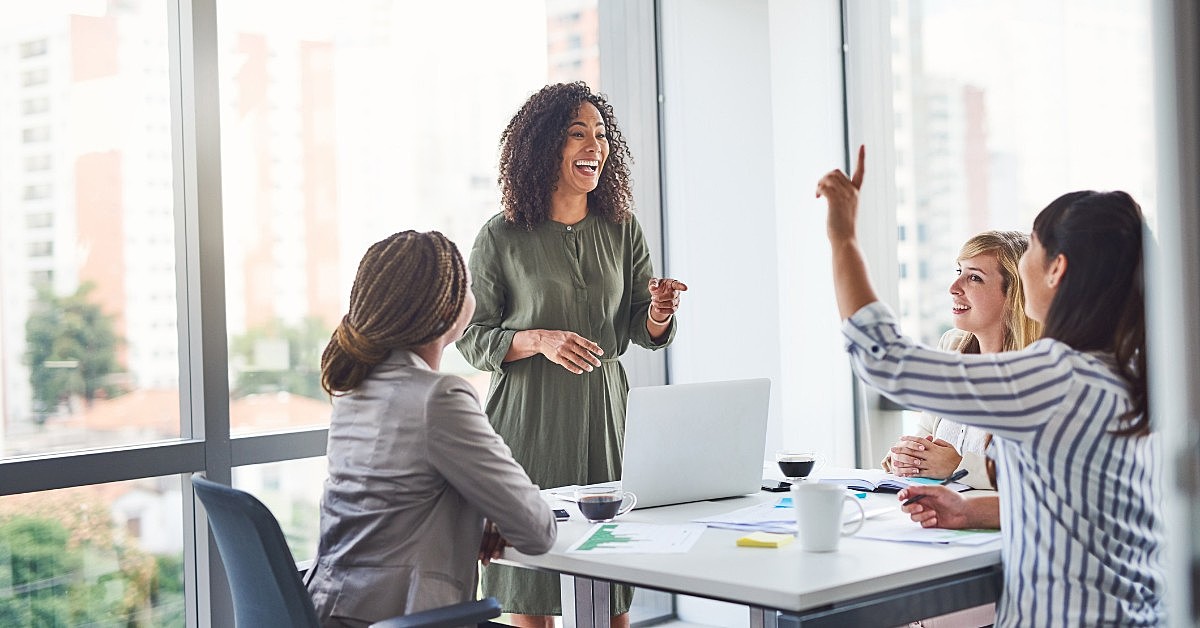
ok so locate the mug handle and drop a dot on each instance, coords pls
(862, 515)
(632, 502)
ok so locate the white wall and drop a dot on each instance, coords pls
(809, 141)
(752, 117)
(719, 191)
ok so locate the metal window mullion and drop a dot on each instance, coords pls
(278, 447)
(200, 281)
(83, 468)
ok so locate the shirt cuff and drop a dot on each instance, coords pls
(861, 330)
(504, 342)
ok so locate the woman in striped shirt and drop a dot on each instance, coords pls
(1080, 494)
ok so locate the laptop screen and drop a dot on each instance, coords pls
(691, 442)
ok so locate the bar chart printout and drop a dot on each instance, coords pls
(638, 538)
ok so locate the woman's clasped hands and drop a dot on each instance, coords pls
(923, 457)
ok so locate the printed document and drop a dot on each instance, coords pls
(638, 538)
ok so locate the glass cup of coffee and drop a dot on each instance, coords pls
(599, 504)
(795, 465)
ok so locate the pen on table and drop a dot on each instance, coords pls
(954, 477)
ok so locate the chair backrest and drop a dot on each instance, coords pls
(266, 587)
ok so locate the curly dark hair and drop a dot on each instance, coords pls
(531, 153)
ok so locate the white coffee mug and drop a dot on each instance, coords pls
(819, 515)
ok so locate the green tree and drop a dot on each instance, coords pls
(302, 373)
(71, 348)
(32, 545)
(167, 593)
(62, 565)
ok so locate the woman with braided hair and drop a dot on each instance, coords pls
(417, 475)
(564, 283)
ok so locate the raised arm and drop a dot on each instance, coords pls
(850, 280)
(1010, 393)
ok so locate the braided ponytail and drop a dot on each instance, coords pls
(409, 290)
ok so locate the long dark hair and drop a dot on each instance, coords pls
(409, 290)
(531, 153)
(1100, 303)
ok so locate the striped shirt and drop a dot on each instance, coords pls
(1080, 507)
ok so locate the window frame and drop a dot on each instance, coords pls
(630, 60)
(205, 443)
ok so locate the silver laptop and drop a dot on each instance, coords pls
(691, 442)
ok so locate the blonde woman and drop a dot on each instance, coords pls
(989, 317)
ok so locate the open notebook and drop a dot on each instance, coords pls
(876, 480)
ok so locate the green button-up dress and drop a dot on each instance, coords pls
(590, 278)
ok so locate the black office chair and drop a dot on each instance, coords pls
(266, 587)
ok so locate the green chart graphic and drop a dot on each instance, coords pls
(604, 537)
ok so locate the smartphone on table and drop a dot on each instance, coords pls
(776, 486)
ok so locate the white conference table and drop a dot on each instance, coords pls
(864, 583)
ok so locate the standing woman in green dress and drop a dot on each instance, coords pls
(563, 283)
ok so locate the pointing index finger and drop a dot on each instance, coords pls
(675, 284)
(857, 177)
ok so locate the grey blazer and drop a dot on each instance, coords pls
(414, 468)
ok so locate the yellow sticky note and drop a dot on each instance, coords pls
(765, 539)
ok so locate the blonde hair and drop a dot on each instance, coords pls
(409, 290)
(1007, 247)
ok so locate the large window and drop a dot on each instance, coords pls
(342, 124)
(338, 126)
(88, 341)
(999, 108)
(158, 295)
(89, 354)
(102, 555)
(292, 491)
